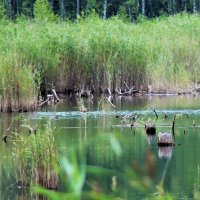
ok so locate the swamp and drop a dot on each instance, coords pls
(99, 100)
(102, 155)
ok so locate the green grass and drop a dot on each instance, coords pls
(163, 53)
(35, 156)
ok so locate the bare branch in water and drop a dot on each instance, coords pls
(110, 101)
(155, 113)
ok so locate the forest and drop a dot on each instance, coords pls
(100, 99)
(130, 9)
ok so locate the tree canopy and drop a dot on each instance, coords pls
(127, 9)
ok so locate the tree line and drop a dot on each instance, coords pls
(128, 9)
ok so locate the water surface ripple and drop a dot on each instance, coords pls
(96, 114)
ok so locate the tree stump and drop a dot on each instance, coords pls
(150, 129)
(165, 139)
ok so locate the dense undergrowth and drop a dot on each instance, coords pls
(162, 53)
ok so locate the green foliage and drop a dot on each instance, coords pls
(96, 53)
(126, 8)
(2, 11)
(35, 154)
(43, 12)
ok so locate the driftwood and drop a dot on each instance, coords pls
(56, 96)
(109, 91)
(50, 98)
(131, 91)
(127, 86)
(130, 116)
(110, 101)
(43, 102)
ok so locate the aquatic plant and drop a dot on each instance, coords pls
(35, 156)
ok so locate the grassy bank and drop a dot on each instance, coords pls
(93, 53)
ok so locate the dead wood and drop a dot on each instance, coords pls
(165, 115)
(150, 129)
(155, 113)
(131, 91)
(173, 124)
(110, 101)
(165, 139)
(44, 102)
(56, 96)
(127, 86)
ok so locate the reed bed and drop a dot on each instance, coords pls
(35, 156)
(161, 54)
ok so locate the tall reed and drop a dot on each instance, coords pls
(35, 156)
(93, 53)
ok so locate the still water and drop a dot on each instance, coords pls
(137, 160)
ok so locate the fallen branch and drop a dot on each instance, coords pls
(110, 93)
(155, 114)
(54, 92)
(127, 92)
(43, 102)
(127, 86)
(110, 101)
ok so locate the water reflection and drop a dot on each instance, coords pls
(151, 139)
(165, 152)
(76, 126)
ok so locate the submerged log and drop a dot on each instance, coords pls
(165, 139)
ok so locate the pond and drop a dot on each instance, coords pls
(116, 147)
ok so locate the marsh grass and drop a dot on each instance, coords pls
(35, 157)
(93, 53)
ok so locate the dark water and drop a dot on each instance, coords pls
(137, 157)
